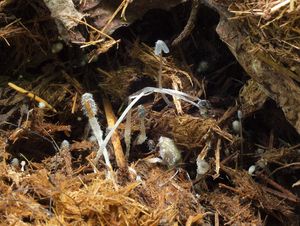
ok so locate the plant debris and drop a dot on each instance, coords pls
(149, 112)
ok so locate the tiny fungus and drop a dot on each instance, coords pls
(42, 105)
(15, 163)
(57, 47)
(23, 163)
(65, 144)
(236, 126)
(202, 66)
(89, 108)
(134, 98)
(151, 145)
(202, 166)
(160, 47)
(141, 114)
(251, 169)
(168, 151)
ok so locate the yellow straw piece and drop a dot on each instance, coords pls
(31, 95)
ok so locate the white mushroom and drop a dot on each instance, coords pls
(160, 46)
(23, 163)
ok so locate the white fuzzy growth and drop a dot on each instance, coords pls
(168, 151)
(251, 169)
(202, 166)
(236, 126)
(57, 47)
(87, 98)
(15, 162)
(160, 46)
(65, 145)
(42, 105)
(259, 151)
(202, 66)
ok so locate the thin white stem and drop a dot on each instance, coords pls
(99, 136)
(145, 92)
(142, 136)
(127, 134)
(118, 122)
(160, 80)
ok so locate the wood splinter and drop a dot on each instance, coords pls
(31, 95)
(111, 120)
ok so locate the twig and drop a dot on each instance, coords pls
(217, 221)
(286, 192)
(194, 219)
(286, 166)
(229, 188)
(190, 24)
(122, 7)
(281, 194)
(93, 28)
(31, 95)
(217, 156)
(115, 139)
(74, 103)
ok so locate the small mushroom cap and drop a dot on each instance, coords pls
(160, 46)
(23, 163)
(65, 144)
(251, 169)
(42, 105)
(236, 126)
(88, 98)
(15, 162)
